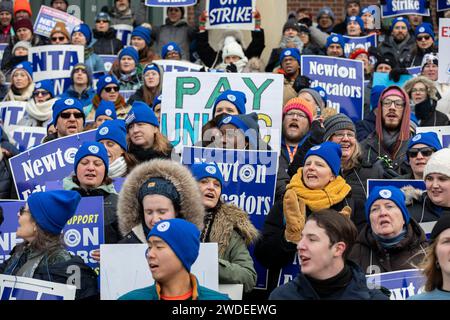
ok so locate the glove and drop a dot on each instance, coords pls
(317, 132)
(346, 212)
(257, 16)
(294, 210)
(301, 82)
(395, 74)
(231, 68)
(202, 21)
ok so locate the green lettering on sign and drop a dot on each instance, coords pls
(185, 86)
(221, 86)
(257, 92)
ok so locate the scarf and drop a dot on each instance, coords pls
(25, 96)
(316, 200)
(40, 111)
(295, 40)
(118, 168)
(240, 65)
(388, 243)
(127, 77)
(328, 287)
(424, 110)
(390, 139)
(145, 154)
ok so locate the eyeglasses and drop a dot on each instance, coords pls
(41, 93)
(398, 103)
(421, 90)
(420, 38)
(295, 115)
(341, 135)
(58, 38)
(425, 151)
(111, 89)
(67, 115)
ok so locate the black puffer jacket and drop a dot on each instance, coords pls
(428, 116)
(106, 42)
(420, 207)
(7, 189)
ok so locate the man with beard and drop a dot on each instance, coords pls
(121, 13)
(335, 46)
(400, 43)
(389, 142)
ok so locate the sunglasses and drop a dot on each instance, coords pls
(41, 93)
(111, 89)
(425, 151)
(58, 38)
(423, 38)
(67, 115)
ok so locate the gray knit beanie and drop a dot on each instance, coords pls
(316, 96)
(337, 122)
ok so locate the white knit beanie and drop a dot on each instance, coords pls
(232, 48)
(439, 162)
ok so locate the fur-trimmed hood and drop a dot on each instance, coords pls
(128, 208)
(228, 218)
(411, 194)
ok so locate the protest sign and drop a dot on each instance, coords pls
(398, 183)
(11, 112)
(123, 33)
(382, 79)
(415, 71)
(2, 50)
(402, 284)
(443, 5)
(376, 13)
(404, 7)
(125, 268)
(23, 288)
(177, 66)
(25, 138)
(8, 238)
(170, 3)
(443, 133)
(108, 61)
(444, 51)
(188, 103)
(249, 183)
(352, 43)
(289, 272)
(126, 94)
(84, 232)
(48, 17)
(230, 14)
(342, 79)
(49, 161)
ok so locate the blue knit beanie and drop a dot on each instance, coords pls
(131, 52)
(64, 104)
(85, 30)
(238, 98)
(356, 19)
(47, 85)
(143, 33)
(244, 122)
(171, 46)
(207, 170)
(156, 101)
(424, 28)
(400, 19)
(25, 65)
(106, 108)
(113, 130)
(330, 152)
(428, 138)
(104, 81)
(52, 209)
(92, 148)
(335, 38)
(290, 52)
(141, 112)
(182, 236)
(151, 66)
(389, 193)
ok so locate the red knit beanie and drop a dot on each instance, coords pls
(299, 104)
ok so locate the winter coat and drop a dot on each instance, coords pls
(212, 58)
(418, 54)
(151, 293)
(301, 289)
(129, 209)
(106, 42)
(54, 268)
(365, 127)
(420, 207)
(179, 32)
(232, 230)
(132, 18)
(8, 54)
(109, 194)
(368, 253)
(428, 116)
(7, 189)
(372, 149)
(85, 97)
(403, 54)
(137, 96)
(143, 155)
(131, 82)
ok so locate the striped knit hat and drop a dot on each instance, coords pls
(337, 122)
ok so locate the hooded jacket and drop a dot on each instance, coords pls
(301, 289)
(129, 210)
(85, 97)
(420, 207)
(106, 42)
(232, 230)
(368, 252)
(179, 32)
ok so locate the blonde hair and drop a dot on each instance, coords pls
(431, 88)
